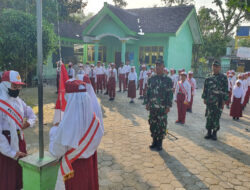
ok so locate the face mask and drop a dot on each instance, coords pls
(13, 93)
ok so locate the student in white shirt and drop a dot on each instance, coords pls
(182, 97)
(132, 83)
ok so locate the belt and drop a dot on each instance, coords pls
(6, 132)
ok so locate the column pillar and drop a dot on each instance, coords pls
(123, 53)
(96, 50)
(85, 53)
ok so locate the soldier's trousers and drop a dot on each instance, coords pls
(158, 123)
(213, 114)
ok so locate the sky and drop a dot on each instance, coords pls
(95, 5)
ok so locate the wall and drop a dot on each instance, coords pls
(180, 50)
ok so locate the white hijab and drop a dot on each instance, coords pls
(77, 117)
(238, 92)
(15, 102)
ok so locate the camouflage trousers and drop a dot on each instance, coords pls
(213, 114)
(158, 123)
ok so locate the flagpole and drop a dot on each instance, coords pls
(40, 76)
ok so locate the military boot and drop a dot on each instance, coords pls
(159, 145)
(214, 135)
(154, 144)
(208, 135)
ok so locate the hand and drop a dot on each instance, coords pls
(56, 124)
(204, 101)
(25, 125)
(20, 154)
(167, 110)
(147, 107)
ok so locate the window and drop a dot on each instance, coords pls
(101, 53)
(149, 55)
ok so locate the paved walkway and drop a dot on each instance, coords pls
(191, 162)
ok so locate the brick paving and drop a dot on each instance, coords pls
(191, 162)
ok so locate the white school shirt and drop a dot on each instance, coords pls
(128, 68)
(174, 78)
(26, 112)
(192, 82)
(238, 92)
(71, 72)
(122, 70)
(233, 80)
(92, 74)
(132, 76)
(87, 69)
(99, 70)
(114, 74)
(187, 87)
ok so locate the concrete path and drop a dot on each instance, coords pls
(191, 162)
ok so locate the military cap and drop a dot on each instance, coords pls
(216, 63)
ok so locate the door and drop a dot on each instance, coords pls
(118, 59)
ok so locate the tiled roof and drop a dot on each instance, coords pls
(153, 20)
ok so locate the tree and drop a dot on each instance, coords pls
(120, 3)
(18, 44)
(232, 14)
(214, 41)
(65, 7)
(177, 2)
(244, 43)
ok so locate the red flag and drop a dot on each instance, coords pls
(61, 102)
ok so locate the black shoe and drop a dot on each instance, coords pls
(237, 118)
(159, 145)
(131, 102)
(208, 135)
(110, 99)
(154, 144)
(106, 93)
(119, 91)
(214, 135)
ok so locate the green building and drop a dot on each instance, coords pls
(139, 35)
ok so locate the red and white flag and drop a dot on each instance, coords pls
(61, 102)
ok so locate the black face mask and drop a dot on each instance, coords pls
(13, 93)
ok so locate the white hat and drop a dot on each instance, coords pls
(12, 77)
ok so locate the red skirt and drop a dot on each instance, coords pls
(85, 174)
(10, 170)
(236, 108)
(131, 89)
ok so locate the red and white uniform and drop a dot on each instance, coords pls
(12, 113)
(183, 97)
(143, 77)
(122, 78)
(192, 82)
(128, 69)
(93, 78)
(99, 74)
(87, 69)
(237, 100)
(132, 83)
(112, 78)
(76, 140)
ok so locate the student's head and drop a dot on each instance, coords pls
(238, 83)
(132, 69)
(127, 62)
(98, 63)
(183, 76)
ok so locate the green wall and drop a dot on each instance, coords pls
(180, 49)
(107, 25)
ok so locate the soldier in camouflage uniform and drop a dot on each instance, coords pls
(215, 93)
(158, 100)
